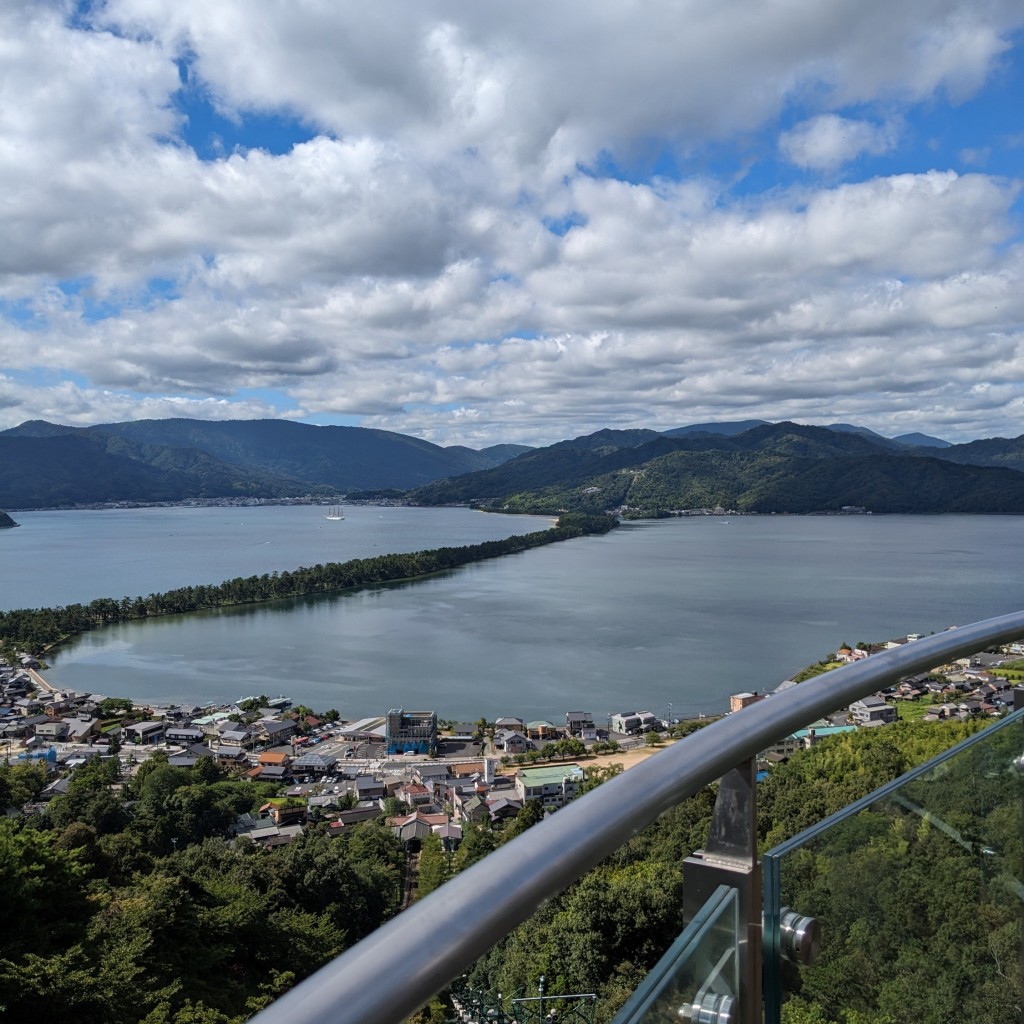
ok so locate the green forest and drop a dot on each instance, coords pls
(129, 904)
(769, 467)
(134, 906)
(917, 927)
(781, 468)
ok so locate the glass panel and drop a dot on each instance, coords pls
(918, 891)
(699, 973)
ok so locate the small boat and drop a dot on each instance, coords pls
(334, 513)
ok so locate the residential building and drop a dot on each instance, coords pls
(871, 711)
(510, 742)
(578, 722)
(553, 787)
(634, 721)
(738, 701)
(144, 732)
(271, 732)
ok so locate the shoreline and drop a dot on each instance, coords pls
(627, 757)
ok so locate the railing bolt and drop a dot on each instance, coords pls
(799, 937)
(712, 1009)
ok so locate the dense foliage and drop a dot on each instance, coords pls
(919, 895)
(130, 906)
(773, 468)
(900, 901)
(43, 464)
(36, 629)
(782, 467)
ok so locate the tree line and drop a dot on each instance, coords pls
(37, 629)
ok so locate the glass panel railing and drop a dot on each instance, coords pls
(918, 892)
(698, 978)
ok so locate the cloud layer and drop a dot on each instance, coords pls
(514, 223)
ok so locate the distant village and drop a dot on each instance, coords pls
(421, 775)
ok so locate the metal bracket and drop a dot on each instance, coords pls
(730, 858)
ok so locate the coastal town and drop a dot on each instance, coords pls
(420, 774)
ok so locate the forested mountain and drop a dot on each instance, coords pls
(728, 428)
(748, 466)
(993, 451)
(44, 464)
(83, 468)
(781, 467)
(922, 440)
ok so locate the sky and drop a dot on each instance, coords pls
(480, 223)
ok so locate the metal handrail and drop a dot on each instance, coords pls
(394, 971)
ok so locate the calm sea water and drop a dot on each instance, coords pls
(57, 558)
(676, 613)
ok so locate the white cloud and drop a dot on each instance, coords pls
(398, 267)
(828, 141)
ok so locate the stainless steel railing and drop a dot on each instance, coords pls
(394, 971)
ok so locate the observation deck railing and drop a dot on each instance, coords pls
(396, 970)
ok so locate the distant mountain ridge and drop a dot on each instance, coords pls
(750, 465)
(780, 467)
(922, 440)
(44, 464)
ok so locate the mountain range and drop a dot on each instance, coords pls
(751, 466)
(768, 467)
(44, 465)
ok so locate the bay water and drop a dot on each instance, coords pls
(669, 616)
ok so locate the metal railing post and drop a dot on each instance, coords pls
(730, 858)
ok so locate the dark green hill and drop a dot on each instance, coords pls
(341, 458)
(812, 442)
(782, 467)
(919, 440)
(727, 428)
(993, 451)
(609, 440)
(45, 464)
(79, 468)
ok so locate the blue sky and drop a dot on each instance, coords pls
(481, 224)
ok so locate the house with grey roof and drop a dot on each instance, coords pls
(53, 730)
(314, 763)
(369, 788)
(270, 732)
(510, 742)
(184, 734)
(872, 711)
(82, 729)
(144, 732)
(236, 738)
(190, 756)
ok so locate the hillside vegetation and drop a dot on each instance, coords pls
(46, 465)
(784, 467)
(746, 467)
